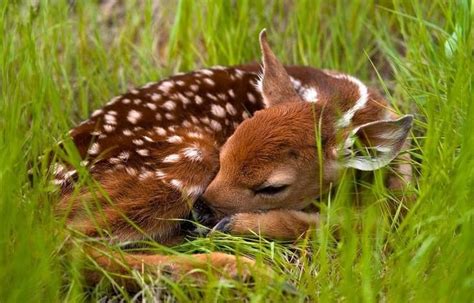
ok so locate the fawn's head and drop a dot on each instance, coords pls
(288, 153)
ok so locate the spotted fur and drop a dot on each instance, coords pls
(173, 130)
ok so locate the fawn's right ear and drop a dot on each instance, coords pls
(276, 87)
(373, 145)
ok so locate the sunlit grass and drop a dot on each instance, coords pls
(60, 61)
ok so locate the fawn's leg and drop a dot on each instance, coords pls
(118, 266)
(278, 224)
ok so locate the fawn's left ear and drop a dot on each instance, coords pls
(373, 145)
(276, 87)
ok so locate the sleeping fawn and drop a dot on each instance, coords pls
(257, 145)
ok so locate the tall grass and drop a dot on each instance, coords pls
(61, 59)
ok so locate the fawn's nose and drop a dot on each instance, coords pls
(203, 214)
(214, 197)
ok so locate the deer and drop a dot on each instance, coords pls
(254, 144)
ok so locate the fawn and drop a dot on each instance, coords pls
(248, 142)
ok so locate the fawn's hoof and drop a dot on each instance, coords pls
(224, 225)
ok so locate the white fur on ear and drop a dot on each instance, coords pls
(386, 139)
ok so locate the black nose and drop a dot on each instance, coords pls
(203, 214)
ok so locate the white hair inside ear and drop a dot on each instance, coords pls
(383, 142)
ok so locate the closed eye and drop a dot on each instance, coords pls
(270, 190)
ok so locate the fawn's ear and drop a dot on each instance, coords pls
(276, 84)
(375, 144)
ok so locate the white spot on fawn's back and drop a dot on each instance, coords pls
(218, 110)
(159, 174)
(143, 152)
(148, 139)
(238, 73)
(210, 81)
(109, 128)
(160, 131)
(173, 158)
(134, 116)
(215, 125)
(131, 171)
(155, 97)
(206, 72)
(151, 106)
(115, 160)
(175, 139)
(169, 105)
(198, 100)
(183, 99)
(230, 109)
(137, 141)
(251, 97)
(194, 119)
(110, 119)
(192, 153)
(94, 149)
(165, 86)
(145, 175)
(127, 132)
(211, 96)
(195, 135)
(205, 120)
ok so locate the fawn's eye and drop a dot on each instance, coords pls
(270, 189)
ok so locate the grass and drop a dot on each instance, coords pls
(59, 61)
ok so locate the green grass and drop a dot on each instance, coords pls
(58, 62)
